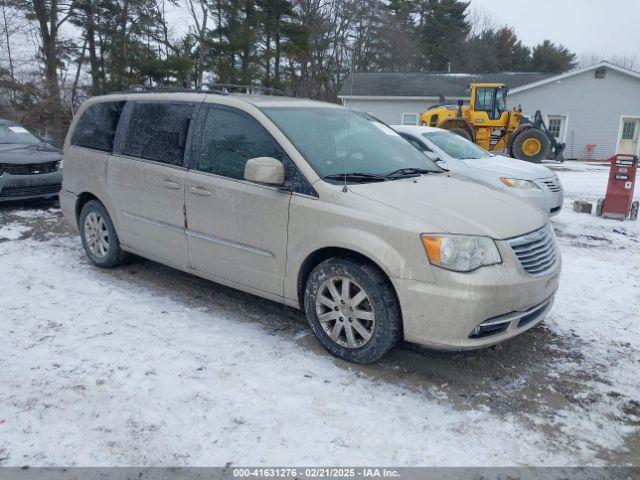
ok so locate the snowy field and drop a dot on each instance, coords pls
(145, 365)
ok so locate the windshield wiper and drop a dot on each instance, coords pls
(357, 177)
(404, 172)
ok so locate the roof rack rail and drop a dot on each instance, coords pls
(215, 88)
(161, 89)
(248, 89)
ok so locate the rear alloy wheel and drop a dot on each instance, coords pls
(352, 309)
(531, 145)
(99, 237)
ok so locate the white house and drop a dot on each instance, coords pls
(594, 110)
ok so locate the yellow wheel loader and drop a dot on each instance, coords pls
(489, 123)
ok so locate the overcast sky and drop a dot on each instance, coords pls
(608, 27)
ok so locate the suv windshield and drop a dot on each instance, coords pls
(335, 141)
(456, 146)
(16, 134)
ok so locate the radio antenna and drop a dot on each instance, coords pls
(352, 75)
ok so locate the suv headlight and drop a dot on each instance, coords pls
(519, 183)
(460, 253)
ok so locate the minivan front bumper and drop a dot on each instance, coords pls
(449, 314)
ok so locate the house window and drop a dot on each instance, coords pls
(628, 130)
(409, 119)
(554, 127)
(557, 125)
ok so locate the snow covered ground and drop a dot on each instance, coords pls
(145, 365)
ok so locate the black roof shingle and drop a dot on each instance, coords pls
(429, 84)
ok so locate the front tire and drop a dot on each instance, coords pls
(531, 145)
(352, 310)
(99, 237)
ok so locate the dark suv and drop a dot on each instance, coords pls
(29, 167)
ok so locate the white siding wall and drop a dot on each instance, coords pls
(389, 111)
(594, 107)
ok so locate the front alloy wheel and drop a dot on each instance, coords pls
(352, 309)
(345, 312)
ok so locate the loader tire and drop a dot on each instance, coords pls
(462, 132)
(531, 145)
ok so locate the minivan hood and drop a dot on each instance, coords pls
(19, 153)
(509, 167)
(456, 205)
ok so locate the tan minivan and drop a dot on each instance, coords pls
(312, 205)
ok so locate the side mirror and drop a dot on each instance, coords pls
(264, 170)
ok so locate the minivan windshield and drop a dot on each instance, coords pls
(16, 134)
(456, 146)
(336, 141)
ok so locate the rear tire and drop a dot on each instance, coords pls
(99, 237)
(352, 310)
(531, 145)
(462, 132)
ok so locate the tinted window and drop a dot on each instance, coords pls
(97, 126)
(231, 138)
(158, 131)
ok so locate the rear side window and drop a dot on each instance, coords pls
(231, 138)
(158, 131)
(97, 126)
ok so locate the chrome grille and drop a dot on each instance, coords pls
(537, 251)
(553, 184)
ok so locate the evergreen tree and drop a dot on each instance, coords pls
(547, 57)
(443, 33)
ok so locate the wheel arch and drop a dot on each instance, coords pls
(85, 197)
(82, 200)
(320, 255)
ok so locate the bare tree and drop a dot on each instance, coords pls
(630, 62)
(199, 13)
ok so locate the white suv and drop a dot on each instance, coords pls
(311, 205)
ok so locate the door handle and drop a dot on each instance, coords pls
(170, 184)
(198, 191)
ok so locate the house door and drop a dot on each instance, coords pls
(628, 141)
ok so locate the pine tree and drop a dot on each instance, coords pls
(443, 33)
(547, 57)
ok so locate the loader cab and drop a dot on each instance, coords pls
(489, 104)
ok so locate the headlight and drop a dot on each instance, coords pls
(460, 253)
(519, 183)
